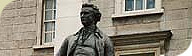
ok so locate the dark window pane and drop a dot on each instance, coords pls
(129, 5)
(49, 26)
(54, 4)
(48, 37)
(53, 35)
(49, 4)
(48, 15)
(53, 26)
(150, 4)
(141, 54)
(54, 14)
(139, 4)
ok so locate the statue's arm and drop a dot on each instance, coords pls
(63, 49)
(109, 48)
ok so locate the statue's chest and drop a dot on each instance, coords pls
(87, 41)
(86, 47)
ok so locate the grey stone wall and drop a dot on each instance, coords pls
(107, 9)
(176, 17)
(178, 20)
(18, 28)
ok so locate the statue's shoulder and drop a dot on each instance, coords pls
(70, 37)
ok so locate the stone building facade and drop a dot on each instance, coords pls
(176, 17)
(18, 30)
(21, 27)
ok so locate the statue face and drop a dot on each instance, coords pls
(87, 16)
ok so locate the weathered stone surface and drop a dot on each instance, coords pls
(44, 55)
(105, 22)
(7, 21)
(29, 35)
(190, 34)
(12, 52)
(176, 14)
(10, 13)
(189, 22)
(24, 19)
(27, 52)
(137, 28)
(6, 29)
(107, 12)
(190, 12)
(13, 5)
(29, 3)
(105, 4)
(174, 52)
(138, 19)
(181, 44)
(189, 16)
(18, 20)
(8, 45)
(190, 3)
(110, 31)
(26, 43)
(27, 11)
(5, 32)
(16, 0)
(175, 4)
(180, 34)
(4, 36)
(16, 52)
(23, 35)
(18, 28)
(24, 28)
(175, 24)
(5, 52)
(151, 18)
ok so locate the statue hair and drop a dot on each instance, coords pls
(95, 10)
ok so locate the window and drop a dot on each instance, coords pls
(150, 4)
(133, 5)
(136, 7)
(140, 54)
(48, 33)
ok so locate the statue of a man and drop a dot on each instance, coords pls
(89, 40)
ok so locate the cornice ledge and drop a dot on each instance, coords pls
(141, 38)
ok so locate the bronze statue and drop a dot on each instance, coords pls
(89, 40)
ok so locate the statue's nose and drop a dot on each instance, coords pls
(82, 15)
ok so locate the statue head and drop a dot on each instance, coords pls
(90, 15)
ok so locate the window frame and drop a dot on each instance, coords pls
(134, 7)
(139, 51)
(121, 12)
(44, 21)
(40, 21)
